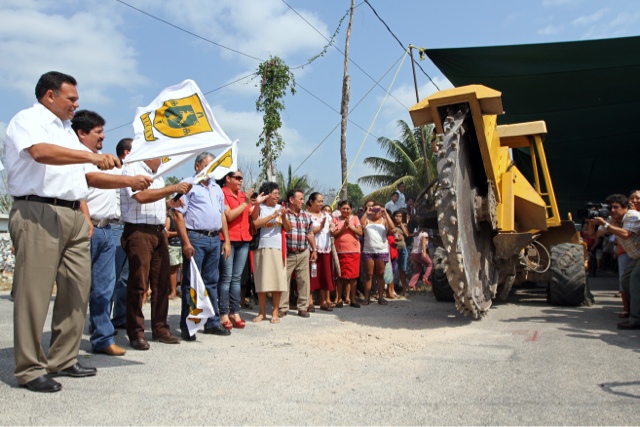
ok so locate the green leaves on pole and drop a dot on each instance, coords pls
(276, 80)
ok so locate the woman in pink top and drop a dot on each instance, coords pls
(346, 233)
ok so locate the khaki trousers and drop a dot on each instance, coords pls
(298, 262)
(51, 245)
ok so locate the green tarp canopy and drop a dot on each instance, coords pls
(588, 93)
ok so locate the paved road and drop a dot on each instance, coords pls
(412, 362)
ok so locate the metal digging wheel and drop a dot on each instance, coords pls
(439, 283)
(469, 248)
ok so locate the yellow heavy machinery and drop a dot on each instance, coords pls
(496, 228)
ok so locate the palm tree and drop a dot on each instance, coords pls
(293, 182)
(404, 163)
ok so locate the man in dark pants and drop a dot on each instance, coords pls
(50, 233)
(119, 313)
(145, 242)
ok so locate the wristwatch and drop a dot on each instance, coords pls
(606, 225)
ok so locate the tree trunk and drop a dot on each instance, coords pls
(344, 110)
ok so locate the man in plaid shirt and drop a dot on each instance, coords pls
(624, 223)
(301, 250)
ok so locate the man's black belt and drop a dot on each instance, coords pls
(51, 201)
(159, 227)
(208, 233)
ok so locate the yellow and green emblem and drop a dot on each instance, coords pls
(177, 118)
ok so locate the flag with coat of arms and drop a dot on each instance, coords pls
(200, 307)
(177, 125)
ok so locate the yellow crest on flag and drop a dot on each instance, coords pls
(178, 118)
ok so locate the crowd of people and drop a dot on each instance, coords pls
(109, 236)
(621, 232)
(112, 237)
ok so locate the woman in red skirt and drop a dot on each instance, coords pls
(346, 233)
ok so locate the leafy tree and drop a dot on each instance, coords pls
(172, 180)
(276, 80)
(355, 194)
(404, 163)
(292, 182)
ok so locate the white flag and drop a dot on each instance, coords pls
(220, 166)
(170, 163)
(200, 308)
(178, 121)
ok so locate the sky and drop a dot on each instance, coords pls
(123, 53)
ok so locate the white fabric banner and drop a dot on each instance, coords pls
(170, 163)
(200, 308)
(226, 162)
(178, 121)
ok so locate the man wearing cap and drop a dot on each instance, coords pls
(50, 233)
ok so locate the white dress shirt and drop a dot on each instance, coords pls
(26, 176)
(103, 204)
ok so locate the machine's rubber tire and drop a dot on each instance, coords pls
(568, 285)
(439, 283)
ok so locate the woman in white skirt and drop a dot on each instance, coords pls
(269, 268)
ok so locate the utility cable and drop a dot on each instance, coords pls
(188, 32)
(367, 134)
(350, 59)
(400, 43)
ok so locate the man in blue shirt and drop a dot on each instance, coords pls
(200, 222)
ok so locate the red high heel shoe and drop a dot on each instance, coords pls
(239, 324)
(227, 325)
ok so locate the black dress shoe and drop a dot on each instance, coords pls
(140, 344)
(186, 337)
(77, 371)
(628, 325)
(303, 313)
(217, 330)
(43, 384)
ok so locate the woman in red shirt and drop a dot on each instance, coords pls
(237, 206)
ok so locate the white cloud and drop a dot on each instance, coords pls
(550, 30)
(623, 24)
(247, 126)
(85, 45)
(590, 19)
(256, 27)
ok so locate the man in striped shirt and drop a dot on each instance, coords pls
(301, 249)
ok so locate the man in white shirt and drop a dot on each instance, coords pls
(145, 241)
(392, 205)
(49, 232)
(401, 200)
(102, 203)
